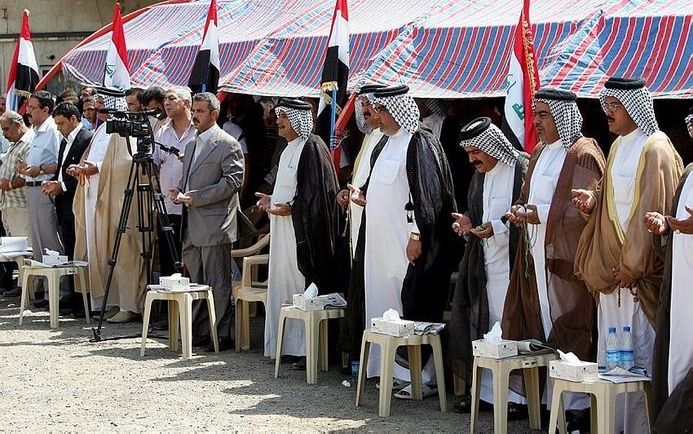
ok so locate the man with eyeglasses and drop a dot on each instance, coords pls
(616, 256)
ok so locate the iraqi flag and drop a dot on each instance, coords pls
(522, 82)
(116, 72)
(335, 74)
(204, 76)
(24, 72)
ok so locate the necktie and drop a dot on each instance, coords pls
(190, 163)
(61, 152)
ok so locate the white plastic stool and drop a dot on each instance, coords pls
(500, 370)
(316, 338)
(53, 275)
(245, 296)
(183, 315)
(603, 402)
(388, 348)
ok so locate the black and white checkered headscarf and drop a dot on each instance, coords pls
(488, 138)
(360, 120)
(402, 107)
(567, 118)
(301, 120)
(637, 102)
(435, 106)
(111, 101)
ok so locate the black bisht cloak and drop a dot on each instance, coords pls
(470, 317)
(315, 215)
(672, 410)
(426, 284)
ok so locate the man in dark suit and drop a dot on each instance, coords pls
(212, 177)
(74, 141)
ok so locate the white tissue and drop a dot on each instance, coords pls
(50, 252)
(495, 334)
(345, 383)
(569, 357)
(311, 292)
(391, 315)
(176, 275)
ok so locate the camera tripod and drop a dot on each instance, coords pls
(149, 200)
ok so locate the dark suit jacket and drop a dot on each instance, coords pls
(213, 182)
(63, 202)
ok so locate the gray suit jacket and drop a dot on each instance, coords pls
(213, 182)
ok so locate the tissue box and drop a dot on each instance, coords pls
(52, 260)
(399, 328)
(174, 283)
(13, 244)
(307, 304)
(573, 371)
(494, 350)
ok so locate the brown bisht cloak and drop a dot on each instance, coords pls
(469, 318)
(572, 307)
(603, 245)
(671, 410)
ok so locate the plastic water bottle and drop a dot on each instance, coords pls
(626, 352)
(613, 353)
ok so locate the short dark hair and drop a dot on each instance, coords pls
(154, 93)
(138, 91)
(45, 99)
(67, 110)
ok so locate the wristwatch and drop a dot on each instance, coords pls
(41, 172)
(414, 236)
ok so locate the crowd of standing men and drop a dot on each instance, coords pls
(558, 246)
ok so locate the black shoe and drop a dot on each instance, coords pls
(578, 420)
(161, 325)
(40, 304)
(300, 365)
(289, 359)
(517, 412)
(14, 292)
(200, 341)
(225, 344)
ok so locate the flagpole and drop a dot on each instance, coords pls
(333, 118)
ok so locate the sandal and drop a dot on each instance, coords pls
(397, 384)
(426, 391)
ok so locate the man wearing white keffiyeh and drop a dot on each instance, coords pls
(615, 256)
(484, 271)
(563, 314)
(409, 198)
(303, 222)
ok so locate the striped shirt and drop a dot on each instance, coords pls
(16, 197)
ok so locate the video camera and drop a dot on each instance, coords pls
(132, 124)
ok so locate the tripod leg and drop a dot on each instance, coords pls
(122, 227)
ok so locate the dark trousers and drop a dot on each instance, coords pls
(166, 262)
(211, 265)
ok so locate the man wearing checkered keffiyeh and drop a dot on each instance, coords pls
(303, 221)
(409, 198)
(565, 160)
(616, 257)
(484, 271)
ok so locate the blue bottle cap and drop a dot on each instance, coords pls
(612, 329)
(626, 328)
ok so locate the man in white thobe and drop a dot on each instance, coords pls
(490, 250)
(410, 197)
(302, 211)
(616, 256)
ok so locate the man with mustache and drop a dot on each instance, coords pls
(208, 189)
(546, 301)
(484, 271)
(303, 224)
(368, 122)
(615, 255)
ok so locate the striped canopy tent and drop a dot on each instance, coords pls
(440, 48)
